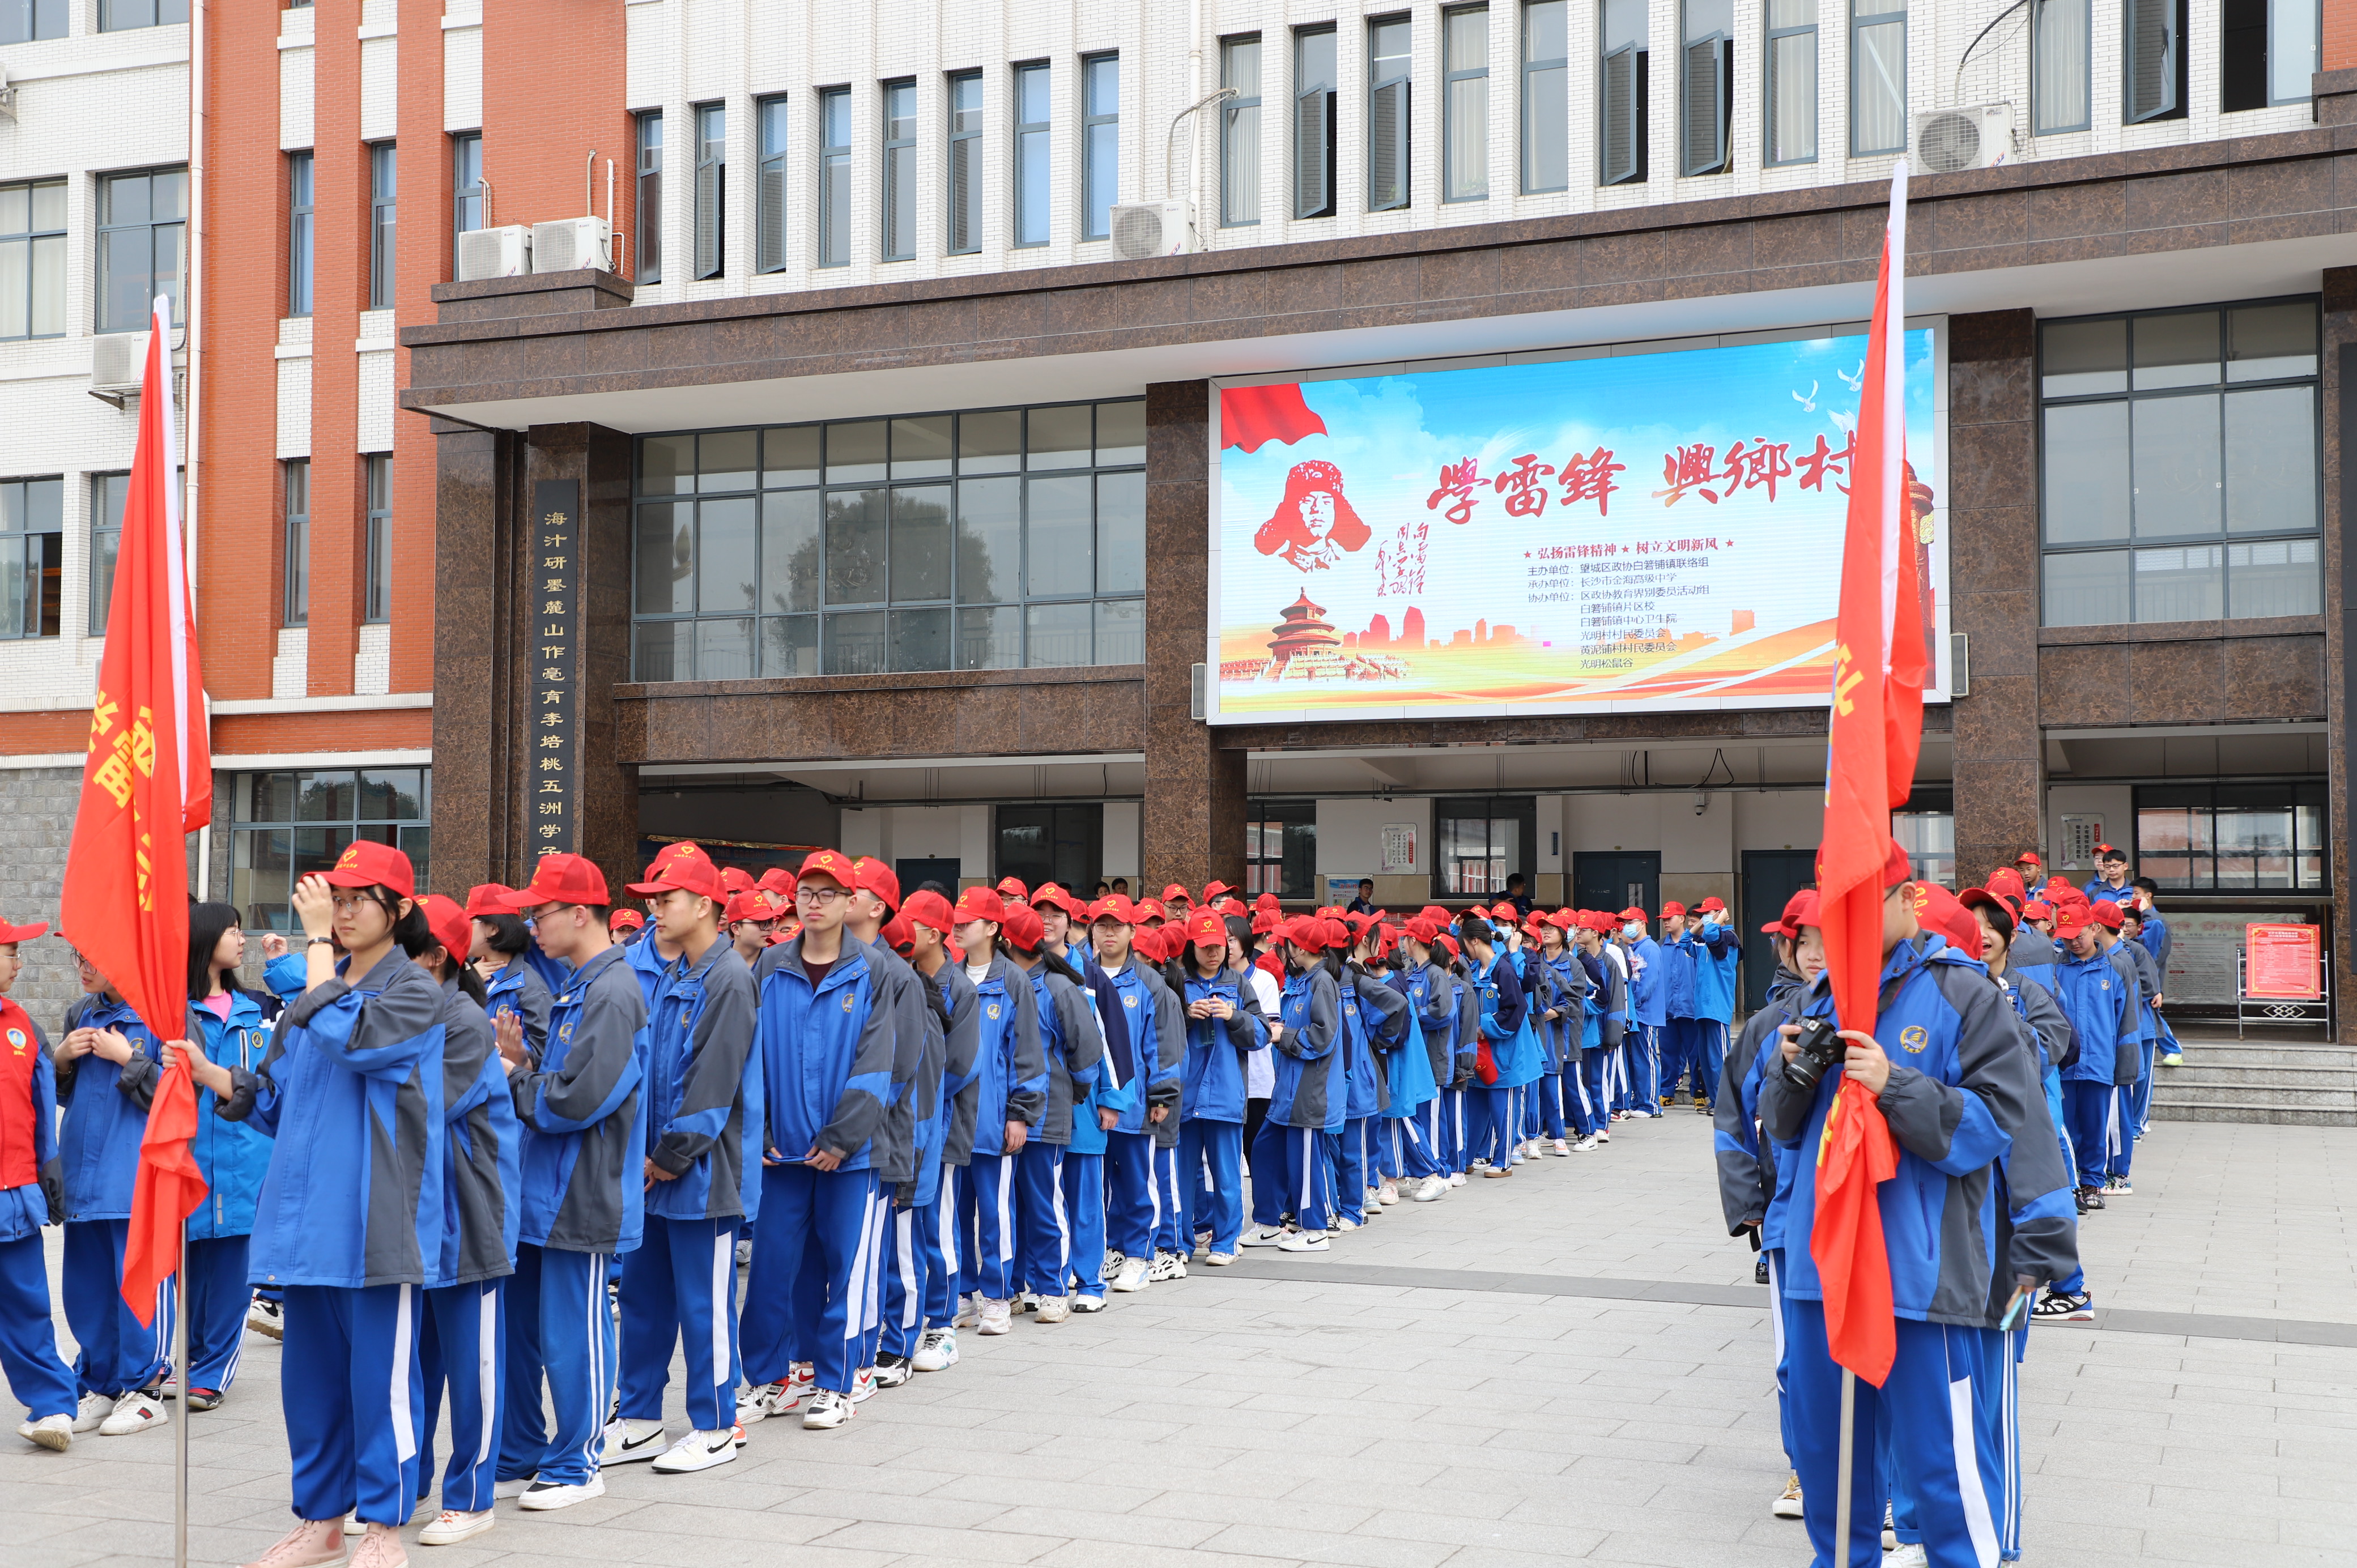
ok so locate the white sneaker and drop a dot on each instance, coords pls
(92, 1410)
(744, 1251)
(626, 1442)
(1389, 1195)
(828, 1410)
(54, 1432)
(697, 1451)
(542, 1496)
(451, 1525)
(1907, 1556)
(1343, 1223)
(1788, 1505)
(1586, 1145)
(995, 1318)
(1430, 1189)
(969, 1311)
(937, 1352)
(1456, 1178)
(1025, 1301)
(1563, 1148)
(862, 1385)
(514, 1489)
(1053, 1309)
(1305, 1241)
(1166, 1266)
(266, 1319)
(1085, 1304)
(766, 1400)
(1219, 1260)
(892, 1371)
(137, 1411)
(1258, 1236)
(1133, 1275)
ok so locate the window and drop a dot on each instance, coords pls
(1314, 82)
(1482, 841)
(376, 546)
(2180, 468)
(1464, 110)
(1546, 106)
(300, 233)
(1389, 113)
(899, 170)
(285, 826)
(25, 21)
(1060, 844)
(2203, 836)
(769, 184)
(1240, 132)
(1281, 848)
(2152, 60)
(650, 197)
(1705, 86)
(1099, 143)
(834, 178)
(384, 168)
(1622, 93)
(2059, 50)
(32, 556)
(108, 492)
(1791, 108)
(142, 224)
(965, 163)
(33, 260)
(468, 192)
(116, 16)
(2270, 50)
(1030, 155)
(1878, 77)
(992, 539)
(711, 190)
(297, 590)
(1925, 828)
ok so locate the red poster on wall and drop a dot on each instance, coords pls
(2279, 963)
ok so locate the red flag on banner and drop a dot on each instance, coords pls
(1250, 416)
(1875, 730)
(146, 784)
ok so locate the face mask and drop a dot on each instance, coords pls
(1633, 931)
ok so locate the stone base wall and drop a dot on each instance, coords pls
(37, 816)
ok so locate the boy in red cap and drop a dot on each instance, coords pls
(1291, 1173)
(1143, 1062)
(1010, 1078)
(1223, 1031)
(920, 1281)
(36, 1374)
(1711, 944)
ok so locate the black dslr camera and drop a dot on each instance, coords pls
(1822, 1051)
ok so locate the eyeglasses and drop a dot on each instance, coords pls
(346, 903)
(820, 897)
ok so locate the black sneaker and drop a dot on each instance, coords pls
(2060, 1307)
(2092, 1197)
(1759, 1271)
(265, 1318)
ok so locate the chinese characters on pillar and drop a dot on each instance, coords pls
(554, 582)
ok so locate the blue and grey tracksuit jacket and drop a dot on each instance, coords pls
(482, 1149)
(583, 1104)
(829, 1060)
(518, 989)
(1307, 1088)
(1150, 1026)
(1747, 1162)
(1074, 1047)
(2101, 1005)
(943, 1096)
(704, 1089)
(1010, 1066)
(1714, 952)
(233, 1155)
(1432, 1003)
(1218, 1051)
(103, 1113)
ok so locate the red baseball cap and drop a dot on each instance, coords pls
(1213, 888)
(897, 933)
(451, 926)
(981, 903)
(1937, 910)
(9, 933)
(1672, 908)
(832, 864)
(625, 919)
(1146, 943)
(2105, 914)
(2002, 907)
(1634, 913)
(1266, 921)
(1114, 906)
(736, 879)
(927, 909)
(1422, 930)
(1448, 943)
(2106, 852)
(777, 879)
(2027, 857)
(1206, 926)
(1710, 906)
(486, 899)
(561, 878)
(368, 864)
(1012, 887)
(876, 877)
(691, 872)
(1049, 894)
(2038, 909)
(1268, 901)
(1151, 909)
(1177, 890)
(1307, 932)
(1023, 929)
(2006, 882)
(2070, 919)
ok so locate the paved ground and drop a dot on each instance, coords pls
(1570, 1365)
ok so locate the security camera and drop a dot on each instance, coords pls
(1702, 804)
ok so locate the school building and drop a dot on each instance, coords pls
(869, 362)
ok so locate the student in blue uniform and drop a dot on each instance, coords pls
(36, 1374)
(121, 1366)
(1677, 1037)
(1375, 1020)
(2133, 1066)
(1010, 1071)
(1411, 1094)
(1432, 1016)
(1559, 1032)
(1147, 1058)
(1293, 1178)
(1505, 1034)
(1648, 995)
(1223, 1030)
(501, 945)
(2102, 1009)
(1710, 943)
(701, 1170)
(583, 1108)
(920, 1301)
(1465, 1040)
(1062, 919)
(2110, 883)
(1072, 1046)
(352, 1091)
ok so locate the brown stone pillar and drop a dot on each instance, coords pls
(1993, 563)
(474, 553)
(2339, 602)
(1193, 825)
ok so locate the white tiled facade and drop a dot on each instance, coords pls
(684, 53)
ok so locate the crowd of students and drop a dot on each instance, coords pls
(508, 1157)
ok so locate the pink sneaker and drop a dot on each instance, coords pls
(309, 1544)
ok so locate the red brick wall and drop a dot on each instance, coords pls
(2340, 34)
(386, 730)
(536, 141)
(427, 183)
(43, 734)
(340, 293)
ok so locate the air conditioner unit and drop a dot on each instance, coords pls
(1979, 135)
(504, 252)
(118, 362)
(1146, 229)
(564, 243)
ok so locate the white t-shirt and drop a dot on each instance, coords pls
(1260, 1068)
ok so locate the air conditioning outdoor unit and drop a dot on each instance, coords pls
(504, 252)
(1144, 229)
(564, 244)
(1979, 135)
(118, 362)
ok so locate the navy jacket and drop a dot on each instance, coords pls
(704, 1089)
(1308, 1087)
(104, 1114)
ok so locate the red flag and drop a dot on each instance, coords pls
(1875, 730)
(1250, 416)
(146, 783)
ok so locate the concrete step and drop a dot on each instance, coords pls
(2260, 1053)
(2265, 1115)
(2268, 1093)
(2206, 1074)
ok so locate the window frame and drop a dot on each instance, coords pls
(1528, 68)
(966, 145)
(1029, 134)
(106, 183)
(155, 11)
(772, 113)
(888, 186)
(2086, 73)
(31, 238)
(1403, 154)
(42, 608)
(1489, 810)
(1331, 149)
(1722, 90)
(52, 15)
(1090, 124)
(1858, 22)
(2175, 56)
(467, 199)
(1770, 37)
(648, 131)
(105, 544)
(1640, 50)
(412, 836)
(708, 224)
(833, 177)
(302, 232)
(376, 538)
(1289, 818)
(2298, 794)
(1451, 75)
(384, 219)
(1230, 111)
(295, 537)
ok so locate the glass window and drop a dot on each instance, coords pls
(1389, 113)
(2232, 836)
(965, 163)
(116, 16)
(1240, 132)
(1281, 848)
(1314, 84)
(2270, 52)
(1791, 108)
(650, 199)
(33, 259)
(467, 189)
(376, 577)
(1705, 86)
(1929, 838)
(1099, 143)
(1030, 155)
(1878, 77)
(834, 178)
(900, 193)
(27, 21)
(2152, 60)
(285, 826)
(300, 233)
(770, 125)
(1063, 844)
(2181, 466)
(142, 244)
(383, 182)
(32, 556)
(1622, 91)
(108, 492)
(1465, 109)
(1482, 842)
(295, 594)
(1546, 108)
(711, 190)
(2059, 52)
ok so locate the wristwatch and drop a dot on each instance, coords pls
(315, 942)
